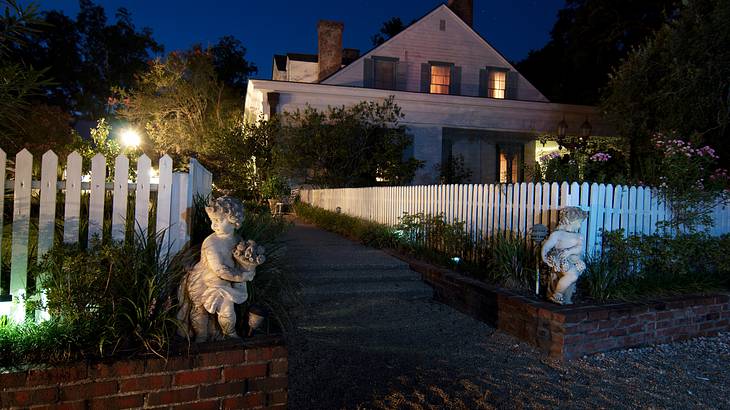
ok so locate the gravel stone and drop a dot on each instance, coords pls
(365, 349)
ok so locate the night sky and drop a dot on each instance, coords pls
(266, 28)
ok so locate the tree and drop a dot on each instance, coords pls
(677, 83)
(187, 110)
(388, 30)
(588, 39)
(360, 145)
(231, 65)
(85, 57)
(19, 83)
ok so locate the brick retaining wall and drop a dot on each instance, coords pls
(221, 375)
(576, 330)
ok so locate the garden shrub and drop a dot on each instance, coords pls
(636, 267)
(119, 298)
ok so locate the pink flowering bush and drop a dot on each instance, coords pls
(691, 182)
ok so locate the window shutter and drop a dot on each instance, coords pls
(368, 72)
(425, 78)
(511, 91)
(401, 68)
(483, 82)
(455, 83)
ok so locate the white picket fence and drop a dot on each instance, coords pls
(487, 209)
(175, 195)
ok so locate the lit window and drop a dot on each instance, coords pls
(440, 79)
(497, 84)
(384, 74)
(510, 161)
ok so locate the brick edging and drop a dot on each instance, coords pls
(229, 374)
(575, 330)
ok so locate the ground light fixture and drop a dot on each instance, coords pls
(130, 138)
(585, 129)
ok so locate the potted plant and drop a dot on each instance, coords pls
(275, 189)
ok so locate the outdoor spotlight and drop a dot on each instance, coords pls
(456, 259)
(256, 316)
(130, 138)
(585, 129)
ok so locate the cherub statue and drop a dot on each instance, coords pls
(562, 251)
(218, 281)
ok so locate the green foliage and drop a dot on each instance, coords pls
(677, 82)
(369, 233)
(588, 39)
(275, 187)
(594, 159)
(453, 170)
(506, 259)
(691, 183)
(513, 261)
(360, 145)
(105, 300)
(638, 267)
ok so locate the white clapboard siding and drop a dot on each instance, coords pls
(96, 197)
(72, 199)
(488, 209)
(21, 221)
(47, 209)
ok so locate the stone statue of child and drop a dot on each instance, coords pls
(218, 281)
(563, 251)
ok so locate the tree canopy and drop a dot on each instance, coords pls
(588, 39)
(678, 82)
(388, 30)
(354, 146)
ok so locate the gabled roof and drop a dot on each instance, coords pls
(458, 19)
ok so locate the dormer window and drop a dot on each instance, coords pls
(497, 84)
(440, 79)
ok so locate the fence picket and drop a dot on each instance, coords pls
(96, 197)
(73, 198)
(142, 195)
(47, 209)
(164, 200)
(21, 223)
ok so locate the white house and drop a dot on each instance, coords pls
(459, 95)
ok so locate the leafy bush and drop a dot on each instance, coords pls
(513, 261)
(369, 233)
(637, 267)
(275, 187)
(505, 259)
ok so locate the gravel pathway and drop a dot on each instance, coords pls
(369, 336)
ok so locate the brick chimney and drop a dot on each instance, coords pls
(329, 34)
(463, 9)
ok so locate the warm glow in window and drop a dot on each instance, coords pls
(508, 168)
(497, 84)
(440, 78)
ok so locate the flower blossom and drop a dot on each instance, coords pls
(600, 157)
(548, 157)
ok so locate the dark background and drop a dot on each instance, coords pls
(266, 28)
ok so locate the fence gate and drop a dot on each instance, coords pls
(175, 193)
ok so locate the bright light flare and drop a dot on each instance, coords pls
(130, 138)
